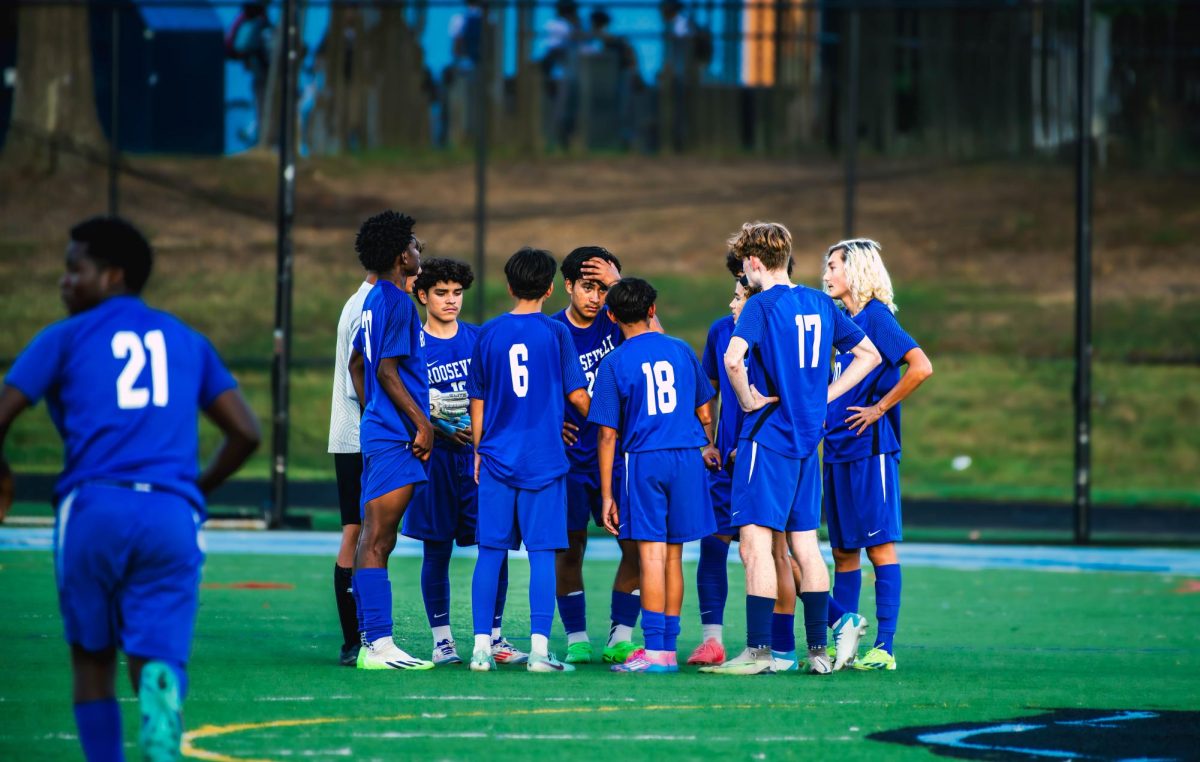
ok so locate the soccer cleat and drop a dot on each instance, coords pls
(162, 723)
(876, 659)
(818, 661)
(483, 661)
(349, 655)
(506, 653)
(784, 661)
(709, 652)
(846, 633)
(445, 652)
(752, 661)
(385, 654)
(579, 653)
(619, 652)
(547, 663)
(640, 661)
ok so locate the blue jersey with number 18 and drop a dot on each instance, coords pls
(648, 389)
(522, 368)
(122, 383)
(791, 332)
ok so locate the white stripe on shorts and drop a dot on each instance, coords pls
(883, 476)
(64, 515)
(753, 457)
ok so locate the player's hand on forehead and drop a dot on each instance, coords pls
(601, 271)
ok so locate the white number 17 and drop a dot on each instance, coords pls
(804, 324)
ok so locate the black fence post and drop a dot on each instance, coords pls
(285, 215)
(1083, 279)
(483, 74)
(850, 128)
(114, 119)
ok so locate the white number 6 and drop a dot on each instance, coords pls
(517, 354)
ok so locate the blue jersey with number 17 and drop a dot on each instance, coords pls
(390, 327)
(122, 383)
(591, 344)
(522, 368)
(648, 389)
(791, 332)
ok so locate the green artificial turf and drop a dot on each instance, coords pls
(973, 646)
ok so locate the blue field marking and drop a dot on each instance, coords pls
(958, 557)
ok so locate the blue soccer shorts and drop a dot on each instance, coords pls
(666, 498)
(127, 562)
(775, 491)
(388, 470)
(445, 507)
(583, 498)
(719, 483)
(862, 502)
(510, 515)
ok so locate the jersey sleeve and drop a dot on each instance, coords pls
(751, 322)
(397, 338)
(215, 378)
(712, 361)
(572, 374)
(36, 370)
(892, 341)
(606, 398)
(846, 335)
(477, 378)
(704, 390)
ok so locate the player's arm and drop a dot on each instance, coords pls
(388, 375)
(866, 358)
(606, 450)
(748, 397)
(238, 423)
(477, 431)
(12, 402)
(919, 369)
(357, 367)
(710, 453)
(581, 401)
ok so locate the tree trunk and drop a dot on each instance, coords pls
(54, 121)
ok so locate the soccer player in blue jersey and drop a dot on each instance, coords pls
(862, 454)
(388, 370)
(523, 370)
(652, 393)
(444, 509)
(788, 332)
(122, 383)
(587, 273)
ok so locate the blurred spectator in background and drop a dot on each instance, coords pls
(601, 41)
(249, 41)
(466, 50)
(680, 67)
(560, 64)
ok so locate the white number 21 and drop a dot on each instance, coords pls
(127, 344)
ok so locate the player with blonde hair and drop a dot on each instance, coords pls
(862, 454)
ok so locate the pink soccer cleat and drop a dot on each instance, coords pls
(709, 652)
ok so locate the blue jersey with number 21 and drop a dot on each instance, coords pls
(791, 332)
(122, 383)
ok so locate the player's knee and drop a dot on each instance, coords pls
(882, 555)
(846, 560)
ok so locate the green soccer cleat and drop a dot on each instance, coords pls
(752, 661)
(385, 654)
(619, 652)
(579, 653)
(547, 663)
(483, 661)
(876, 659)
(162, 723)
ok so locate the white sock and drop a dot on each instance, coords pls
(619, 633)
(539, 645)
(496, 634)
(577, 637)
(483, 643)
(442, 633)
(714, 631)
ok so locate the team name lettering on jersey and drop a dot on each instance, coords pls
(452, 371)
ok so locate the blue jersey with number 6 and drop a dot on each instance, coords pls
(122, 383)
(791, 332)
(522, 368)
(648, 389)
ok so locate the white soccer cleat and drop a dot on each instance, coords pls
(847, 631)
(446, 652)
(385, 654)
(818, 662)
(482, 661)
(506, 653)
(547, 663)
(751, 661)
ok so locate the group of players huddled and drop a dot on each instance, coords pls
(525, 429)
